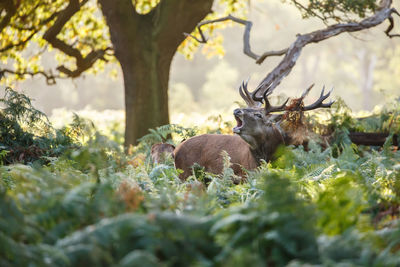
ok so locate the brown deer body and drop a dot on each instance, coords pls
(254, 142)
(206, 150)
(259, 134)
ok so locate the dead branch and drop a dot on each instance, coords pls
(292, 53)
(273, 79)
(391, 25)
(246, 35)
(270, 54)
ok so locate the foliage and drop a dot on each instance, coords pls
(24, 24)
(25, 132)
(84, 32)
(336, 10)
(94, 205)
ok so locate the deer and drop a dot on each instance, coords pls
(160, 152)
(260, 130)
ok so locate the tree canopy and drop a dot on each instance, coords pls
(76, 29)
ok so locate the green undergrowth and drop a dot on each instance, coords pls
(91, 204)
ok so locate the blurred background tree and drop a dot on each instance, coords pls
(80, 34)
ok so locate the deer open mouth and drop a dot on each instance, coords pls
(239, 124)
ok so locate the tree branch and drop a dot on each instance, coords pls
(246, 35)
(34, 31)
(273, 79)
(21, 43)
(179, 16)
(301, 6)
(50, 77)
(261, 59)
(391, 25)
(117, 17)
(82, 63)
(11, 9)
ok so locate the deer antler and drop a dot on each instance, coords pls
(250, 98)
(253, 101)
(299, 104)
(318, 103)
(268, 107)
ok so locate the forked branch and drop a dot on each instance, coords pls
(391, 24)
(246, 35)
(273, 79)
(292, 53)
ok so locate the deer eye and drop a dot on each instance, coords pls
(258, 115)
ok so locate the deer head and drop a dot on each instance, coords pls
(261, 127)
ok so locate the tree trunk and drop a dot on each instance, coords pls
(145, 45)
(146, 79)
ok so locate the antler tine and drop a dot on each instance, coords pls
(318, 103)
(268, 107)
(255, 97)
(305, 93)
(248, 97)
(242, 92)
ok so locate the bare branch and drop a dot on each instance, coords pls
(273, 79)
(261, 59)
(291, 54)
(246, 38)
(391, 25)
(246, 35)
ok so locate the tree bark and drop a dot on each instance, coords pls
(146, 79)
(145, 45)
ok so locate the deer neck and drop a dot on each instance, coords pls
(268, 144)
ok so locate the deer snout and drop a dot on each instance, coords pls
(238, 112)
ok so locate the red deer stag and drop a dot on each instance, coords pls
(259, 133)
